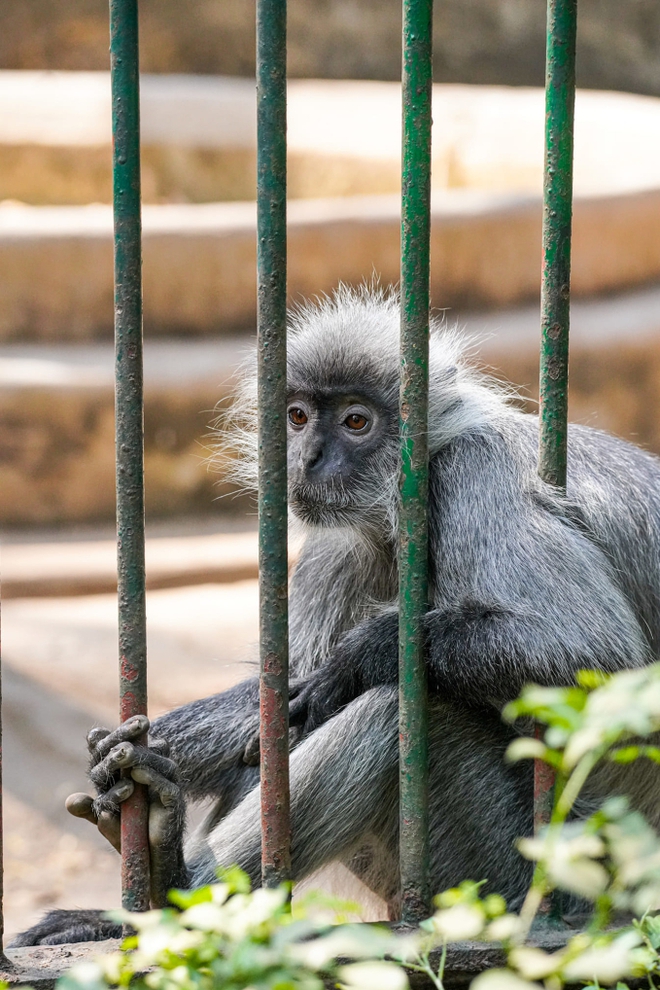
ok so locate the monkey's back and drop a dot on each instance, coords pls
(613, 495)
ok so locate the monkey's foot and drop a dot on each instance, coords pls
(58, 927)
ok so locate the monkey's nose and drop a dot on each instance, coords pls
(314, 458)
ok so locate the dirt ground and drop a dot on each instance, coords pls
(48, 867)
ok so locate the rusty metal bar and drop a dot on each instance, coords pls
(417, 78)
(555, 287)
(4, 962)
(124, 64)
(271, 333)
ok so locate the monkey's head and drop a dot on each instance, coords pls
(343, 371)
(342, 410)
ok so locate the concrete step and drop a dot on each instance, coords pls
(614, 360)
(200, 260)
(344, 138)
(35, 570)
(57, 429)
(56, 406)
(199, 138)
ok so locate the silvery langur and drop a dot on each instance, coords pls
(526, 585)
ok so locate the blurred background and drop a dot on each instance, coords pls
(198, 125)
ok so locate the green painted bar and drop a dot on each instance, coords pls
(557, 220)
(124, 63)
(417, 77)
(555, 297)
(271, 334)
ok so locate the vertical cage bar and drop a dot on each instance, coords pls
(555, 282)
(271, 334)
(557, 223)
(4, 962)
(417, 78)
(124, 63)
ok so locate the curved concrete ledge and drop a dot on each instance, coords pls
(199, 260)
(56, 407)
(57, 429)
(199, 138)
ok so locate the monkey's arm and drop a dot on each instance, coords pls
(522, 594)
(207, 739)
(477, 653)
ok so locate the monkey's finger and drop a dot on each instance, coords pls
(128, 731)
(126, 755)
(295, 687)
(159, 786)
(160, 746)
(298, 709)
(110, 801)
(81, 806)
(110, 828)
(95, 735)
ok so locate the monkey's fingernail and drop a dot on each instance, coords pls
(79, 805)
(94, 736)
(140, 722)
(122, 754)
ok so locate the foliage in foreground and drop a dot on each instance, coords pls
(223, 937)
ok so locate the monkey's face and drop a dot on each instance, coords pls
(340, 448)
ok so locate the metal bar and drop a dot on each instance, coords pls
(271, 333)
(124, 63)
(555, 286)
(4, 962)
(557, 222)
(417, 80)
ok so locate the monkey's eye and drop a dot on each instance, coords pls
(297, 416)
(356, 421)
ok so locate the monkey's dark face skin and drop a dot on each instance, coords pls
(333, 438)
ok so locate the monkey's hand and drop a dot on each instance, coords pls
(116, 762)
(365, 657)
(252, 751)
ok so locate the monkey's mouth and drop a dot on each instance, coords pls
(321, 505)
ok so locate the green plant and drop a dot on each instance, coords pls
(224, 937)
(610, 859)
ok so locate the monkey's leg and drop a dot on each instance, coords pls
(343, 788)
(344, 800)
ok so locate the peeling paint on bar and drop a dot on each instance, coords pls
(417, 78)
(124, 61)
(271, 334)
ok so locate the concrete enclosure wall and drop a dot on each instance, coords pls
(476, 41)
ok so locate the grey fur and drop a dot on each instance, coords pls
(544, 584)
(526, 585)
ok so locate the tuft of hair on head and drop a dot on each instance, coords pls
(350, 339)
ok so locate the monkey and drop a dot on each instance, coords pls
(526, 584)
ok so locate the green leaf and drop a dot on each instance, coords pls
(626, 754)
(186, 898)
